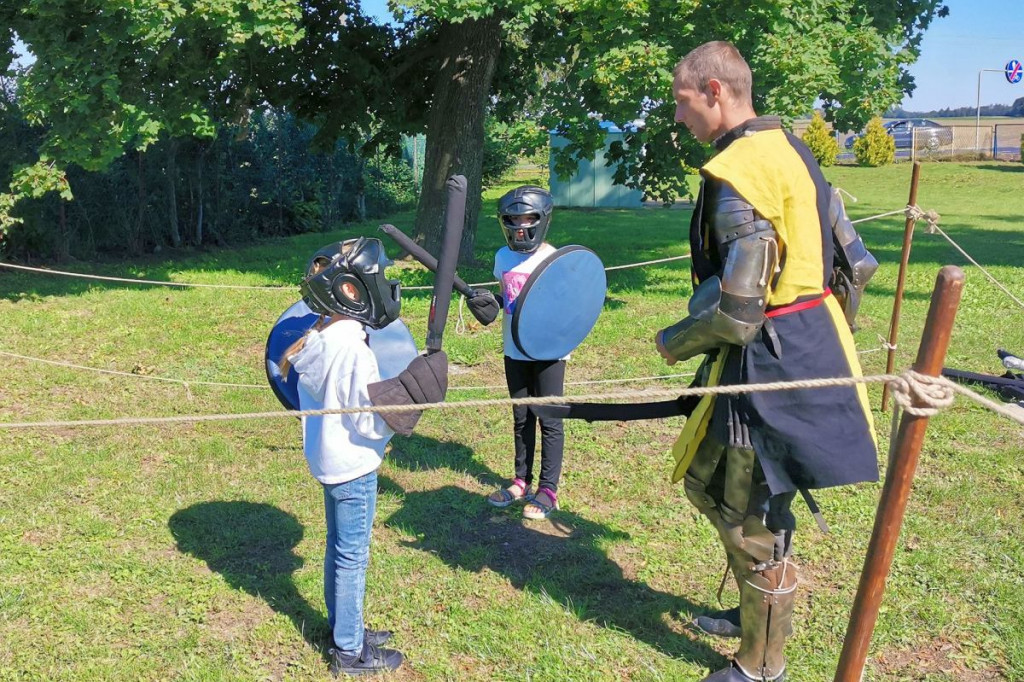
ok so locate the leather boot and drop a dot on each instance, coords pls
(724, 623)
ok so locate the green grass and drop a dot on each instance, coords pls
(193, 552)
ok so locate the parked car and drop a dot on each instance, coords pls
(924, 133)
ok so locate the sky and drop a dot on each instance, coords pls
(977, 34)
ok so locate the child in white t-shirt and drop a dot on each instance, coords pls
(345, 284)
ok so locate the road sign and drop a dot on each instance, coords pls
(1014, 71)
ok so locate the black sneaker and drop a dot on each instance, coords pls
(376, 637)
(373, 659)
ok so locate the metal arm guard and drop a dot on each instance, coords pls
(729, 308)
(853, 264)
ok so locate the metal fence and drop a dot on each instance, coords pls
(963, 142)
(957, 142)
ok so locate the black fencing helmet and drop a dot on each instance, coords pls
(525, 201)
(359, 262)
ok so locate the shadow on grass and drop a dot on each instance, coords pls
(989, 247)
(1001, 168)
(250, 544)
(561, 558)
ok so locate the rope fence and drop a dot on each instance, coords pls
(911, 212)
(919, 394)
(103, 278)
(935, 393)
(933, 228)
(153, 282)
(932, 217)
(186, 383)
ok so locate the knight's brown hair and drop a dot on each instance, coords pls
(719, 60)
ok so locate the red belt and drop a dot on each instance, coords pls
(796, 307)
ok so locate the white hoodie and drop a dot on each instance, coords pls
(334, 367)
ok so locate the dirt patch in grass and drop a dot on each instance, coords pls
(234, 623)
(939, 656)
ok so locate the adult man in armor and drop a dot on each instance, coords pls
(768, 239)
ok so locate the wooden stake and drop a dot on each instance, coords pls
(897, 303)
(898, 478)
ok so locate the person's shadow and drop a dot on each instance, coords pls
(561, 557)
(250, 544)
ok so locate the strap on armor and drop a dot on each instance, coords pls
(728, 308)
(853, 264)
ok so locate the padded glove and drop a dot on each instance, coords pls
(425, 380)
(484, 305)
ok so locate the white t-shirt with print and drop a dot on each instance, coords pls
(512, 269)
(335, 367)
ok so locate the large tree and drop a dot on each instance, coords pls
(567, 64)
(570, 64)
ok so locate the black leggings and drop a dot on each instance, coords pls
(535, 378)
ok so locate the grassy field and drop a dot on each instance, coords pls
(194, 552)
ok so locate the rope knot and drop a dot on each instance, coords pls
(913, 212)
(933, 394)
(931, 216)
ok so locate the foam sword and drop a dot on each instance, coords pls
(394, 391)
(454, 219)
(423, 256)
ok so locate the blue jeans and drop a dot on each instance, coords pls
(350, 508)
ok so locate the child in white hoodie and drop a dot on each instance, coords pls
(345, 284)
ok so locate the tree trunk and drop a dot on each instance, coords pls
(455, 128)
(135, 237)
(64, 241)
(200, 161)
(361, 188)
(172, 191)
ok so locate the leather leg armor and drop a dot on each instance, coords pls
(726, 485)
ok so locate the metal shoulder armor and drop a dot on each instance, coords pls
(728, 308)
(853, 264)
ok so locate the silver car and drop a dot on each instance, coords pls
(927, 134)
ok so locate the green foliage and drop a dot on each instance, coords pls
(114, 76)
(820, 141)
(263, 180)
(119, 75)
(506, 143)
(875, 147)
(389, 185)
(851, 55)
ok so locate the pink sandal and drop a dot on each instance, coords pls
(538, 510)
(503, 497)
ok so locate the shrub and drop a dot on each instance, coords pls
(820, 141)
(875, 147)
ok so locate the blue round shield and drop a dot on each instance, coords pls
(559, 303)
(393, 347)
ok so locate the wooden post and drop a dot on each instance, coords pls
(893, 503)
(897, 303)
